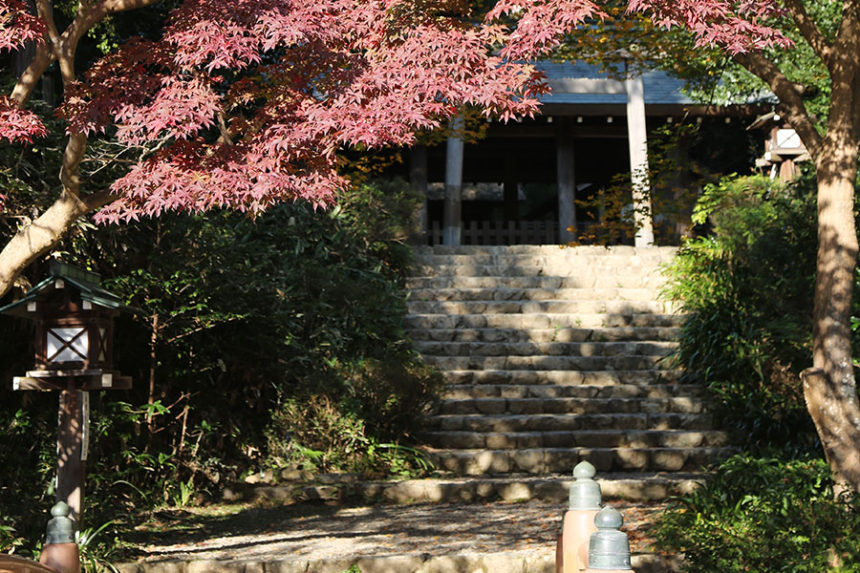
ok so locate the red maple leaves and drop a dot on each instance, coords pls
(18, 124)
(17, 25)
(242, 103)
(736, 26)
(305, 80)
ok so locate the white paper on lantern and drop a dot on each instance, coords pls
(77, 351)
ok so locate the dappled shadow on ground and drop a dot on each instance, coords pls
(318, 532)
(306, 530)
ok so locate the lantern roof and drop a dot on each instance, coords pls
(87, 283)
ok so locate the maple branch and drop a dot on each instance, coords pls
(70, 171)
(45, 54)
(95, 201)
(30, 78)
(222, 127)
(40, 236)
(146, 152)
(809, 29)
(111, 160)
(84, 20)
(45, 10)
(844, 68)
(66, 45)
(789, 95)
(88, 16)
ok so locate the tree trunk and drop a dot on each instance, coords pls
(829, 386)
(37, 238)
(153, 364)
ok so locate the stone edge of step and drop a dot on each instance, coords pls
(638, 486)
(524, 561)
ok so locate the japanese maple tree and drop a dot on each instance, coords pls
(241, 103)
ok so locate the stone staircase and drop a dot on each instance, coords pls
(554, 356)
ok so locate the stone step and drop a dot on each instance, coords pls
(429, 560)
(565, 265)
(532, 321)
(532, 294)
(629, 486)
(638, 377)
(633, 348)
(467, 391)
(566, 259)
(615, 334)
(539, 307)
(542, 281)
(587, 363)
(554, 250)
(579, 438)
(652, 255)
(616, 486)
(503, 423)
(554, 460)
(500, 406)
(551, 268)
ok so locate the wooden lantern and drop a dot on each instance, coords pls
(74, 354)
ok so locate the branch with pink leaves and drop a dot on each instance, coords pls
(19, 125)
(305, 79)
(736, 26)
(271, 90)
(18, 26)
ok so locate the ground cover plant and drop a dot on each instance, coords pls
(762, 515)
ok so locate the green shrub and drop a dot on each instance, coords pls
(764, 515)
(358, 423)
(27, 458)
(746, 288)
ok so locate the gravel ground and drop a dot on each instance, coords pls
(319, 532)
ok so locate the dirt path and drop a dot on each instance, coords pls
(319, 532)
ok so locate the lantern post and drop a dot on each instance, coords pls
(74, 355)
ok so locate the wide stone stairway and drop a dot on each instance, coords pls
(553, 356)
(556, 355)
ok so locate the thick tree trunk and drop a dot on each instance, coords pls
(829, 387)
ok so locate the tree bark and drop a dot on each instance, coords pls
(829, 387)
(40, 236)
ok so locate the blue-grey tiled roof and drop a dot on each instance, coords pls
(572, 80)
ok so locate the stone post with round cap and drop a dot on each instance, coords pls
(60, 552)
(609, 548)
(584, 502)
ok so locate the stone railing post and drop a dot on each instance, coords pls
(60, 551)
(608, 548)
(578, 524)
